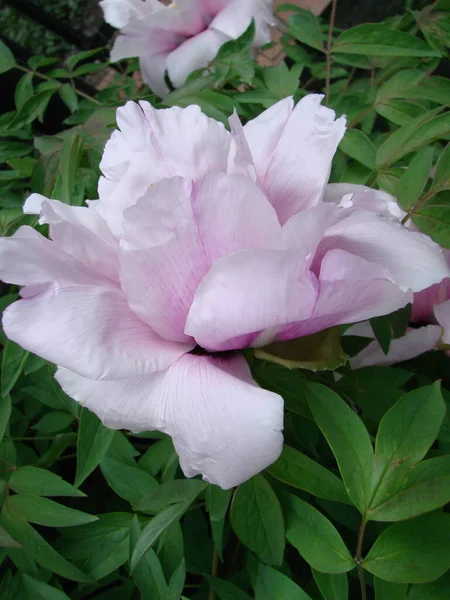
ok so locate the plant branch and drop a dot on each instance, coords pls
(419, 204)
(46, 78)
(214, 569)
(328, 52)
(358, 558)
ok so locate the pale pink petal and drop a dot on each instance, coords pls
(413, 259)
(119, 12)
(442, 314)
(364, 197)
(295, 172)
(153, 70)
(195, 53)
(174, 233)
(236, 16)
(81, 231)
(90, 330)
(351, 289)
(28, 258)
(126, 46)
(414, 343)
(223, 425)
(248, 292)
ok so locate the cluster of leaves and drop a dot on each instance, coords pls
(356, 505)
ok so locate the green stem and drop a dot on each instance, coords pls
(328, 52)
(214, 570)
(358, 558)
(46, 78)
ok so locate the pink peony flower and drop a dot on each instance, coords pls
(182, 37)
(202, 243)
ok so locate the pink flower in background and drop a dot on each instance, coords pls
(182, 37)
(202, 243)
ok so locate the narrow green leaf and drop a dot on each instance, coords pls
(53, 421)
(7, 541)
(411, 186)
(316, 538)
(410, 138)
(177, 581)
(404, 436)
(5, 414)
(441, 177)
(257, 520)
(70, 158)
(300, 471)
(217, 503)
(357, 145)
(42, 591)
(42, 511)
(348, 439)
(415, 551)
(332, 587)
(24, 89)
(93, 442)
(376, 39)
(73, 60)
(41, 482)
(226, 590)
(153, 530)
(7, 60)
(304, 27)
(382, 331)
(13, 362)
(148, 574)
(273, 585)
(130, 483)
(437, 590)
(171, 492)
(69, 97)
(434, 219)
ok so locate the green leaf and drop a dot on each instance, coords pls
(5, 414)
(438, 590)
(226, 590)
(217, 502)
(382, 331)
(7, 541)
(376, 39)
(316, 538)
(54, 421)
(42, 511)
(415, 551)
(318, 352)
(93, 442)
(304, 27)
(171, 492)
(257, 520)
(348, 439)
(273, 585)
(300, 471)
(69, 97)
(13, 362)
(405, 434)
(384, 590)
(177, 581)
(130, 483)
(281, 81)
(292, 385)
(153, 530)
(357, 145)
(7, 60)
(73, 60)
(332, 587)
(412, 137)
(148, 573)
(32, 480)
(426, 488)
(434, 219)
(40, 550)
(42, 591)
(412, 184)
(441, 177)
(70, 159)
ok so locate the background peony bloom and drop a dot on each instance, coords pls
(181, 37)
(198, 247)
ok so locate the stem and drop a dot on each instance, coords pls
(328, 53)
(358, 558)
(360, 117)
(419, 204)
(214, 569)
(46, 78)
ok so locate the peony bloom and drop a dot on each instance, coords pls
(202, 243)
(182, 37)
